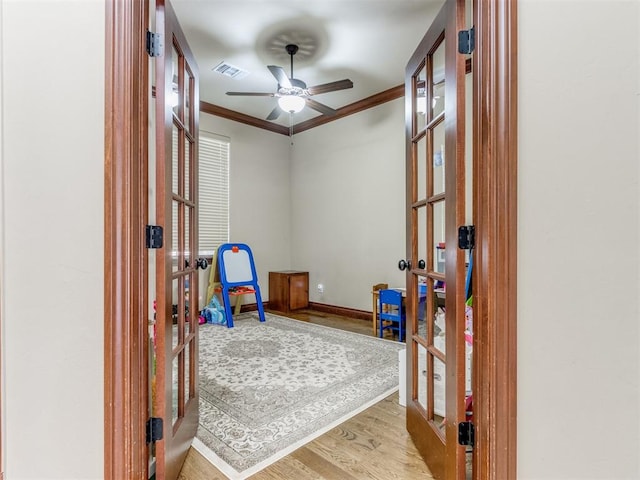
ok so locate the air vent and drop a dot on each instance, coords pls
(229, 70)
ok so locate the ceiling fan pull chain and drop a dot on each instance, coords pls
(291, 127)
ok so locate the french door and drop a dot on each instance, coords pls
(435, 96)
(176, 336)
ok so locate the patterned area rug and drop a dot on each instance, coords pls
(269, 388)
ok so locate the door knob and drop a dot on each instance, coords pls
(404, 264)
(201, 263)
(421, 264)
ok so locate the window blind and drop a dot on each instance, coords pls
(213, 194)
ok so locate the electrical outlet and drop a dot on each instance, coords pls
(320, 288)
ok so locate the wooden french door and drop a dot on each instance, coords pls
(435, 96)
(176, 346)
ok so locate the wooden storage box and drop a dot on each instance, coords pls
(288, 290)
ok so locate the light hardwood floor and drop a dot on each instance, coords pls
(372, 445)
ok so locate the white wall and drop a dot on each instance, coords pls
(260, 202)
(578, 240)
(348, 204)
(293, 209)
(3, 397)
(52, 251)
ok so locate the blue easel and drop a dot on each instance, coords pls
(237, 269)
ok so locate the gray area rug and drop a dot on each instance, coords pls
(269, 388)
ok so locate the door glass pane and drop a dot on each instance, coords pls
(437, 104)
(175, 313)
(438, 159)
(174, 159)
(422, 234)
(438, 236)
(437, 100)
(439, 296)
(439, 395)
(187, 300)
(187, 373)
(423, 288)
(175, 88)
(439, 329)
(175, 246)
(187, 99)
(187, 166)
(421, 100)
(174, 390)
(421, 170)
(188, 257)
(422, 376)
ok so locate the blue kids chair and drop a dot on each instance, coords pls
(392, 314)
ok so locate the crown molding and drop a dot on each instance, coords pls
(359, 106)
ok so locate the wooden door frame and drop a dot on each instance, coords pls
(495, 160)
(126, 151)
(125, 259)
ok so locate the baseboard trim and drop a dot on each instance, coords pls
(320, 307)
(252, 307)
(343, 311)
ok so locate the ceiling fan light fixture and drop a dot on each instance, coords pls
(292, 93)
(291, 103)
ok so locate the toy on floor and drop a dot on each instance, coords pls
(214, 312)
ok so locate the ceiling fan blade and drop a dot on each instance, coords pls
(280, 75)
(252, 94)
(324, 109)
(275, 113)
(330, 87)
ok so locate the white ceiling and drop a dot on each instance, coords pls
(367, 41)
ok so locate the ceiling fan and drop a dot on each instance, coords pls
(293, 94)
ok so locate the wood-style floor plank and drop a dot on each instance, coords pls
(391, 454)
(373, 445)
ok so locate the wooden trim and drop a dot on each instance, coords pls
(212, 109)
(455, 188)
(125, 265)
(252, 307)
(495, 214)
(359, 106)
(342, 311)
(320, 307)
